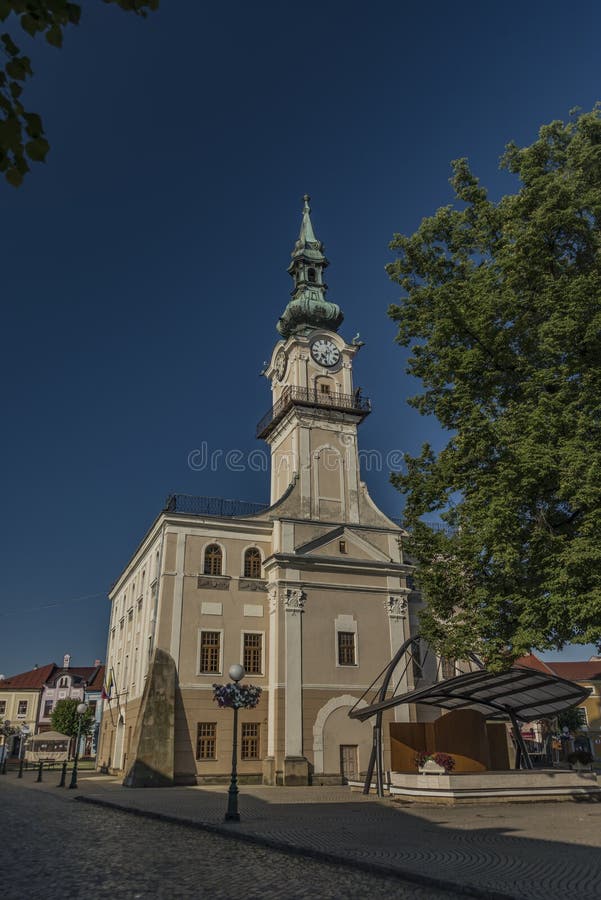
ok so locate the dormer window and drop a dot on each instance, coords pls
(63, 682)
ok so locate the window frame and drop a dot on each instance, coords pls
(248, 550)
(253, 739)
(205, 561)
(352, 645)
(199, 669)
(22, 715)
(206, 737)
(261, 635)
(48, 711)
(3, 705)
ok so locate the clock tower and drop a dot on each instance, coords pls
(308, 593)
(312, 425)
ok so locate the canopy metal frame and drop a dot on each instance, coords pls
(520, 694)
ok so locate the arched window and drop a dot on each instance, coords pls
(213, 560)
(252, 563)
(311, 276)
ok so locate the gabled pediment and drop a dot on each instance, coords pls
(357, 547)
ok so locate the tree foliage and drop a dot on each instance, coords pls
(65, 718)
(501, 307)
(570, 719)
(22, 137)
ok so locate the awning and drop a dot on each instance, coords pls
(525, 693)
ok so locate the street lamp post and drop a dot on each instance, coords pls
(5, 732)
(82, 709)
(236, 673)
(24, 732)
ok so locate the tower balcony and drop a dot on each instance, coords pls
(292, 395)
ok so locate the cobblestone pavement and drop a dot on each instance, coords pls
(51, 849)
(530, 851)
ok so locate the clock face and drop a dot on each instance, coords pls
(280, 364)
(325, 352)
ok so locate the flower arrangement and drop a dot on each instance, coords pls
(236, 696)
(444, 760)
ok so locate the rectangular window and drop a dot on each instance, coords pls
(252, 655)
(48, 708)
(250, 740)
(210, 645)
(342, 546)
(2, 707)
(22, 709)
(582, 715)
(206, 740)
(346, 648)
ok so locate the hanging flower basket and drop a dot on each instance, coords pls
(236, 696)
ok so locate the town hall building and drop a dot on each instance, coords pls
(311, 594)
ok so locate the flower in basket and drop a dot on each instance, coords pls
(236, 696)
(444, 760)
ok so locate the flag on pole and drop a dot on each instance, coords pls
(107, 686)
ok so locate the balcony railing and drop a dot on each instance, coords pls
(212, 506)
(298, 396)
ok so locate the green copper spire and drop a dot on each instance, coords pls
(308, 309)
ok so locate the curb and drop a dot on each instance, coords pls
(325, 856)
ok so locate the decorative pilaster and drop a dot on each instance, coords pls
(272, 594)
(294, 604)
(397, 607)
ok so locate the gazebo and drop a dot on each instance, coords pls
(49, 746)
(517, 695)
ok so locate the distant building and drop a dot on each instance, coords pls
(29, 698)
(588, 674)
(20, 703)
(310, 593)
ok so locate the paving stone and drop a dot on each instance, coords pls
(52, 849)
(530, 851)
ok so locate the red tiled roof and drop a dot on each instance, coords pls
(97, 679)
(533, 662)
(577, 671)
(37, 678)
(571, 671)
(34, 679)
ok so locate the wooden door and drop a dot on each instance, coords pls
(349, 768)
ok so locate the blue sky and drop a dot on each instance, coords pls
(143, 267)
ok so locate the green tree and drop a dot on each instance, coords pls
(65, 718)
(22, 137)
(570, 718)
(501, 308)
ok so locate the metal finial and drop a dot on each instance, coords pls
(306, 198)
